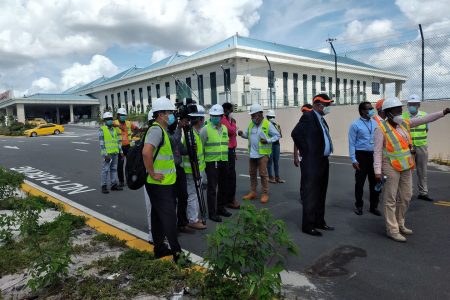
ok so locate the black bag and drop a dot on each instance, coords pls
(135, 171)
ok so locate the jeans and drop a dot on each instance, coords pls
(111, 168)
(275, 158)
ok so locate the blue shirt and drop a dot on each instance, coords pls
(360, 136)
(326, 136)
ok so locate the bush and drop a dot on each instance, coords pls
(10, 181)
(246, 255)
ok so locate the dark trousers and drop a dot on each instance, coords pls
(365, 160)
(216, 172)
(231, 177)
(182, 196)
(314, 184)
(122, 163)
(164, 219)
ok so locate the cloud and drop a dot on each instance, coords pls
(80, 74)
(158, 55)
(359, 32)
(425, 12)
(44, 85)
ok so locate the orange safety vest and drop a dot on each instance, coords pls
(398, 149)
(378, 119)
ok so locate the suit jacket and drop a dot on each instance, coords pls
(308, 136)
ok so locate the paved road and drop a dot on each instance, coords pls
(357, 260)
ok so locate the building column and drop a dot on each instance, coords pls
(72, 119)
(398, 89)
(58, 120)
(384, 90)
(20, 112)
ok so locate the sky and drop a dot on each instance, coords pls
(48, 46)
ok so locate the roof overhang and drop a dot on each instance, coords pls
(15, 101)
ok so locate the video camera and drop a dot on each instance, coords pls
(185, 107)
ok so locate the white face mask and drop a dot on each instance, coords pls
(398, 119)
(326, 110)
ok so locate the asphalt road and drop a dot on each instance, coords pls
(356, 261)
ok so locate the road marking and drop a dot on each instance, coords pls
(20, 141)
(64, 136)
(44, 144)
(81, 150)
(4, 140)
(81, 143)
(244, 175)
(11, 147)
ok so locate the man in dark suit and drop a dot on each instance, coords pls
(311, 134)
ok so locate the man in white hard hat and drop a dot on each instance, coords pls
(275, 155)
(148, 204)
(110, 148)
(159, 163)
(393, 158)
(214, 138)
(419, 138)
(260, 134)
(127, 129)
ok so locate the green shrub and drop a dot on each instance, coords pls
(10, 181)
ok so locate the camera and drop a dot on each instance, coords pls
(185, 107)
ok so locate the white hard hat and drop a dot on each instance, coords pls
(391, 102)
(162, 103)
(122, 111)
(270, 113)
(414, 99)
(200, 111)
(150, 115)
(216, 110)
(255, 108)
(107, 115)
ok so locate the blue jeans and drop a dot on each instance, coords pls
(111, 168)
(274, 157)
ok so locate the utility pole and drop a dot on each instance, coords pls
(271, 79)
(329, 40)
(423, 62)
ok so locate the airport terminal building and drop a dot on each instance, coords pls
(234, 70)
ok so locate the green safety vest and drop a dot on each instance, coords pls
(216, 146)
(263, 149)
(164, 163)
(186, 163)
(418, 134)
(111, 142)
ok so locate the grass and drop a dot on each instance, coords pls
(110, 240)
(440, 161)
(36, 201)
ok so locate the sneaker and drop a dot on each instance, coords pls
(272, 180)
(198, 225)
(249, 196)
(264, 198)
(425, 197)
(397, 237)
(115, 187)
(277, 179)
(405, 230)
(104, 189)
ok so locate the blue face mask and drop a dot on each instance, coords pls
(109, 122)
(215, 120)
(171, 119)
(412, 109)
(254, 122)
(371, 113)
(122, 118)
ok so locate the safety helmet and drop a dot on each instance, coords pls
(256, 107)
(216, 110)
(122, 111)
(414, 99)
(379, 104)
(150, 115)
(200, 112)
(162, 104)
(271, 113)
(107, 115)
(391, 102)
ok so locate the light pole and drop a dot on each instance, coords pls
(270, 79)
(335, 68)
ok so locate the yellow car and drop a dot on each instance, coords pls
(45, 129)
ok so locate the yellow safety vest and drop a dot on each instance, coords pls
(263, 149)
(111, 142)
(418, 134)
(216, 146)
(397, 148)
(186, 163)
(164, 163)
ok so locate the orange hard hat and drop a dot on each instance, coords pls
(379, 104)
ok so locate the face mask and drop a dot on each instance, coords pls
(326, 110)
(371, 113)
(398, 119)
(171, 119)
(412, 109)
(122, 118)
(109, 122)
(215, 120)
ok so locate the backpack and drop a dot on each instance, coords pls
(135, 171)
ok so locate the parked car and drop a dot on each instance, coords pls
(36, 121)
(45, 129)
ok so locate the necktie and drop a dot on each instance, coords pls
(328, 134)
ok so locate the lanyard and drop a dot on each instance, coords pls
(370, 130)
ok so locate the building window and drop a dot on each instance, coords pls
(313, 83)
(364, 91)
(285, 89)
(338, 88)
(158, 91)
(141, 99)
(149, 95)
(201, 95)
(106, 102)
(113, 106)
(125, 99)
(330, 87)
(375, 88)
(305, 88)
(189, 84)
(322, 84)
(119, 102)
(358, 91)
(295, 76)
(167, 84)
(352, 93)
(133, 98)
(212, 78)
(345, 90)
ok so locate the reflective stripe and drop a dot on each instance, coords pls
(171, 171)
(420, 138)
(418, 129)
(418, 134)
(397, 149)
(165, 157)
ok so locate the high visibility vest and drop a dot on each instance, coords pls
(111, 141)
(419, 134)
(397, 148)
(164, 163)
(128, 126)
(378, 119)
(263, 149)
(186, 163)
(216, 146)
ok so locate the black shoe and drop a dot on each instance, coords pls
(215, 219)
(375, 211)
(425, 197)
(358, 211)
(312, 232)
(115, 187)
(224, 212)
(122, 184)
(325, 227)
(185, 229)
(104, 189)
